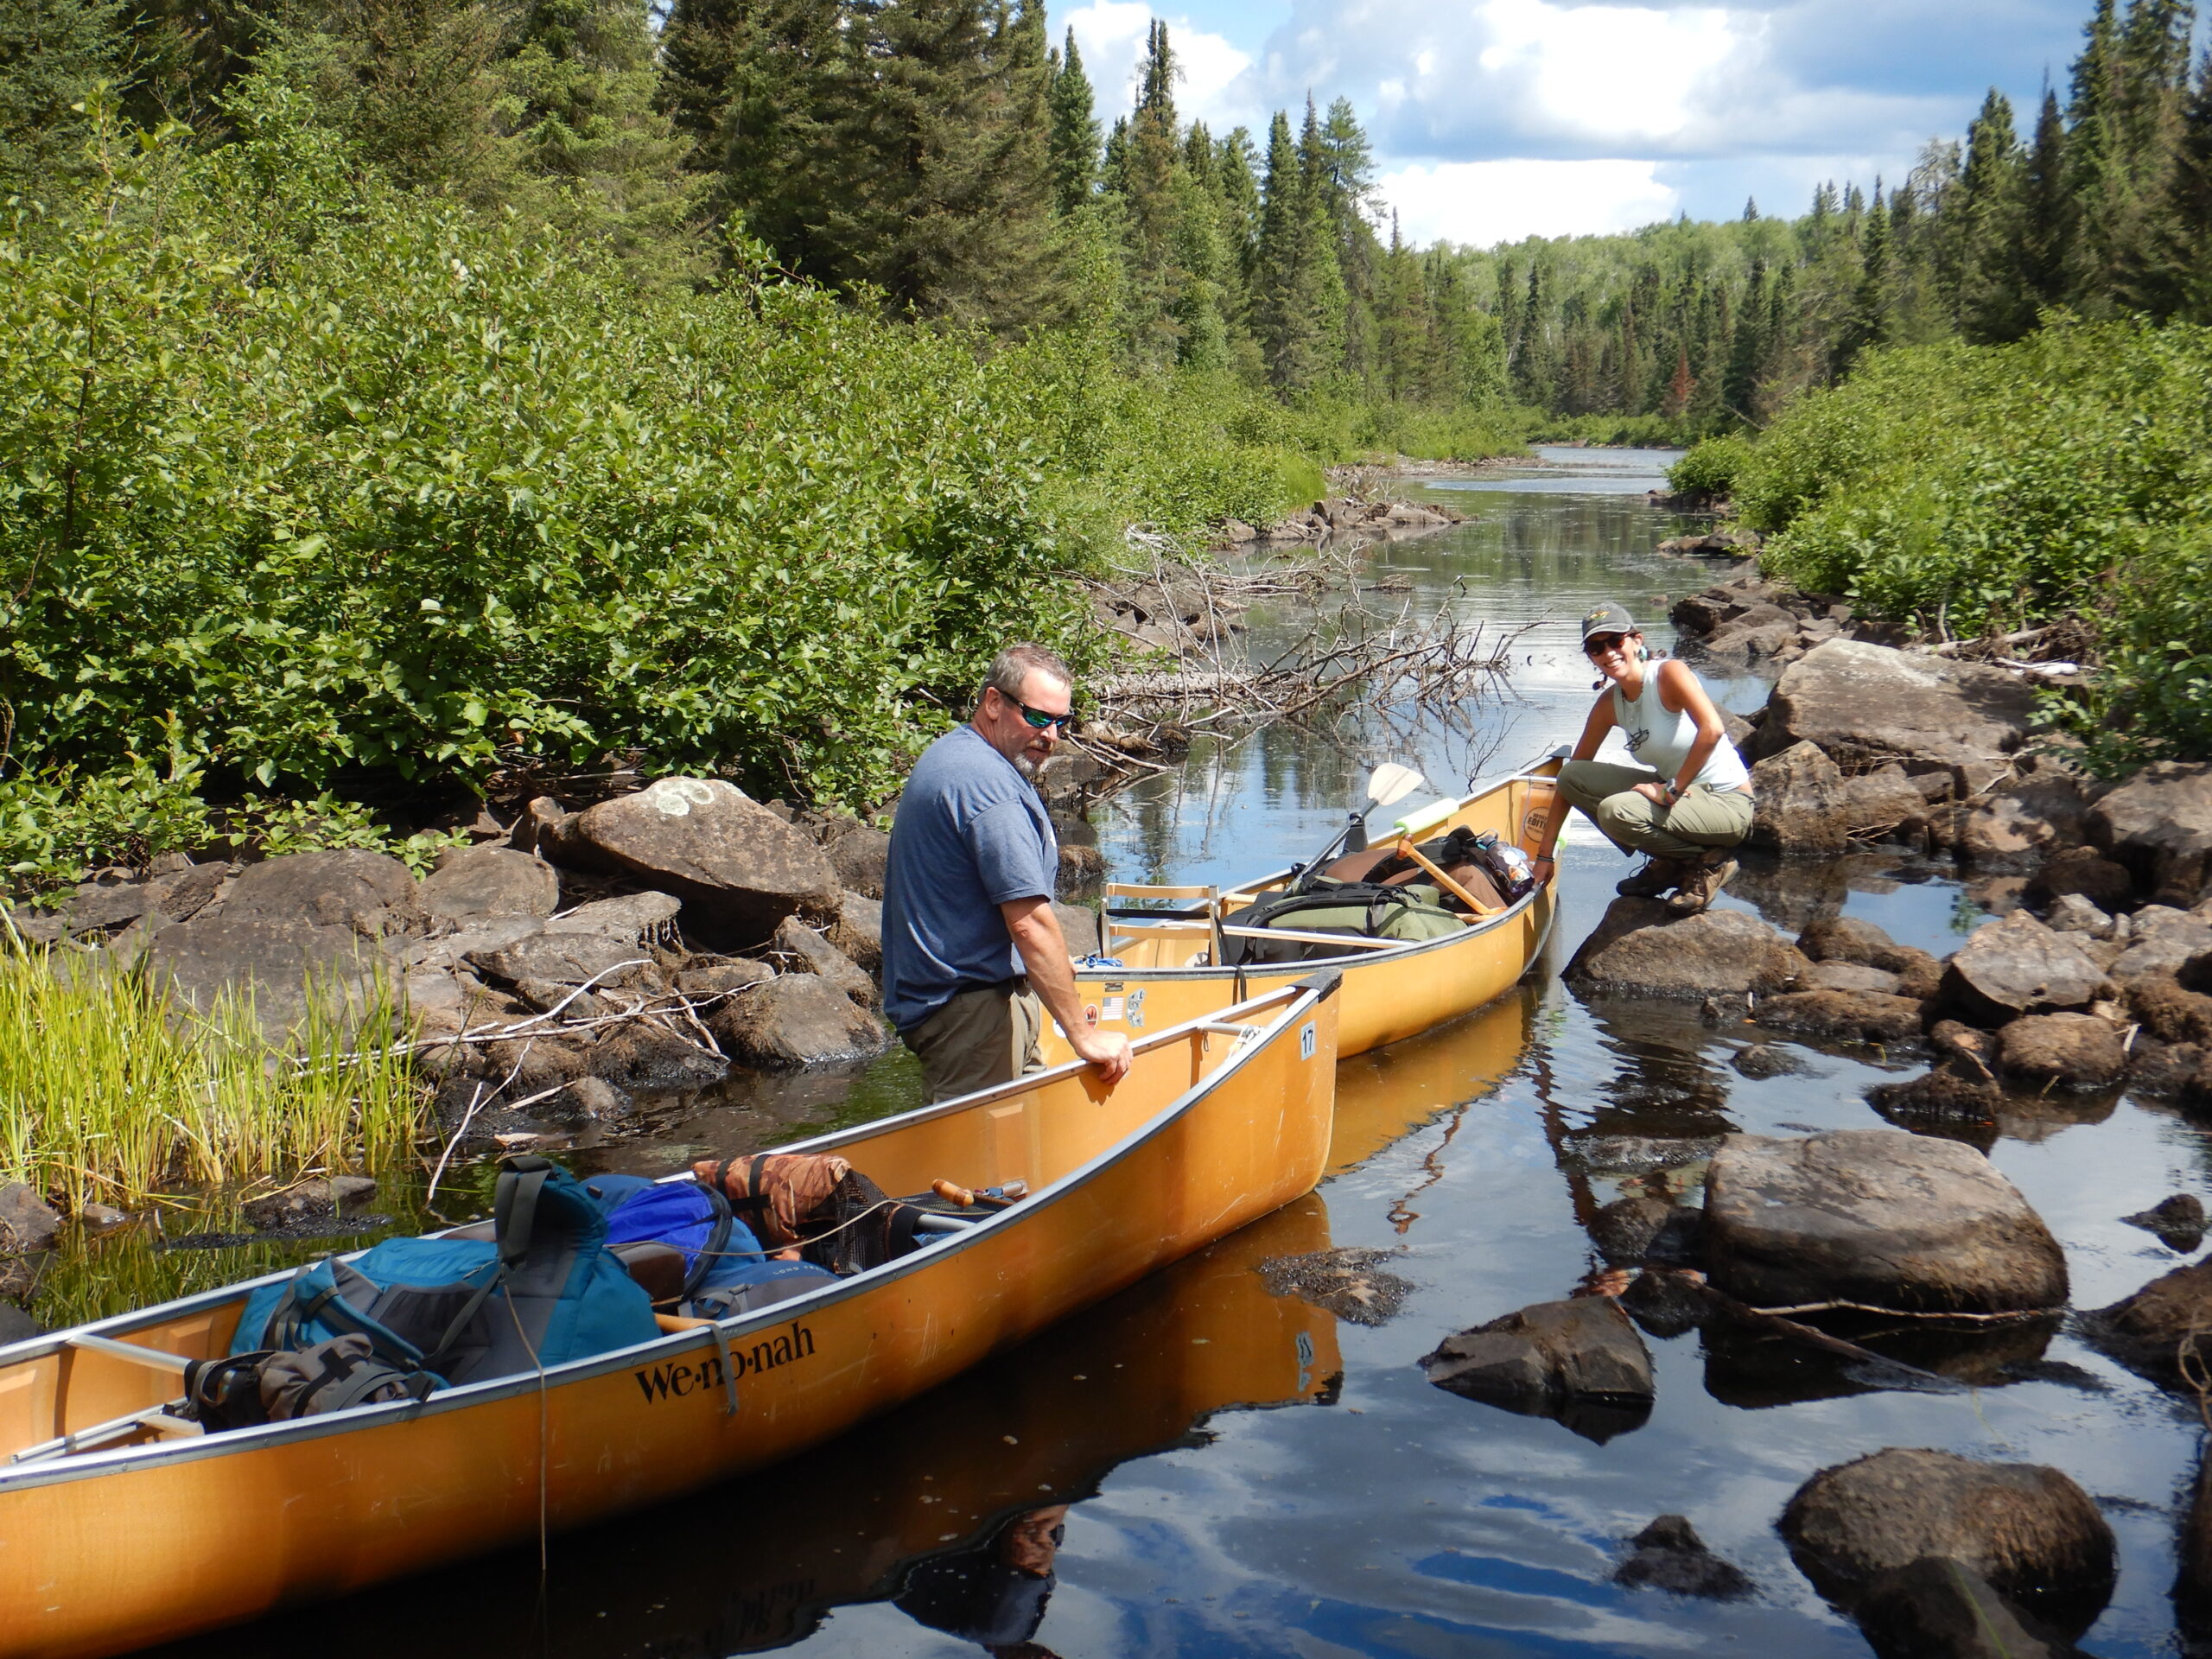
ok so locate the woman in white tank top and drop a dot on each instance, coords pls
(1687, 803)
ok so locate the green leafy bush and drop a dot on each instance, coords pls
(1972, 489)
(1711, 468)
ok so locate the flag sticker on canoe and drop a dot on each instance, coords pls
(1111, 1009)
(1306, 1041)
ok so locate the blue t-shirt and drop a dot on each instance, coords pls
(971, 835)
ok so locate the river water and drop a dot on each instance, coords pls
(1241, 1473)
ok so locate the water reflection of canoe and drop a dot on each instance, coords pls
(1387, 1093)
(1388, 993)
(163, 1531)
(755, 1564)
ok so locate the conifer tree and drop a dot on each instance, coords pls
(1989, 297)
(1074, 140)
(51, 53)
(1740, 390)
(2186, 225)
(1294, 270)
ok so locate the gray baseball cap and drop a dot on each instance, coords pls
(1607, 618)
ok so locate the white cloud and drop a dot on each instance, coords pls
(1111, 35)
(1485, 202)
(1616, 73)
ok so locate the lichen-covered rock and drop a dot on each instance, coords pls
(2016, 965)
(2032, 1534)
(737, 866)
(1873, 1216)
(2065, 1051)
(1642, 948)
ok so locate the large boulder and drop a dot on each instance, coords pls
(2064, 1051)
(2016, 965)
(1879, 1217)
(738, 869)
(1938, 1608)
(796, 1019)
(1642, 947)
(2149, 1329)
(274, 963)
(473, 884)
(1865, 705)
(1578, 1360)
(368, 894)
(2159, 823)
(2029, 1531)
(1802, 807)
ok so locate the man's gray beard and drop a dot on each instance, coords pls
(1026, 767)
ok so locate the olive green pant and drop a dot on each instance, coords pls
(1703, 819)
(980, 1038)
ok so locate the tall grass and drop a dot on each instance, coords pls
(111, 1091)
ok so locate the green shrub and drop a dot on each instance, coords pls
(1710, 469)
(1970, 490)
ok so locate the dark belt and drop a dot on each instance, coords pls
(1014, 986)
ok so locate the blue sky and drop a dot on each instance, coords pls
(1496, 119)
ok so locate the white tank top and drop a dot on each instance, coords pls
(1661, 739)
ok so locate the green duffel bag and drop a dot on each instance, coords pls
(1364, 910)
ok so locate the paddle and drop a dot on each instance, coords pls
(1386, 785)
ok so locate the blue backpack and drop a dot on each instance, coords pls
(543, 1291)
(726, 1271)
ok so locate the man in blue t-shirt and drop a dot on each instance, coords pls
(972, 954)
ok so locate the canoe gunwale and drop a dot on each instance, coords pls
(1298, 1000)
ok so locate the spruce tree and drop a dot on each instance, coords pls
(1074, 141)
(2186, 225)
(1295, 272)
(1990, 297)
(51, 53)
(1740, 389)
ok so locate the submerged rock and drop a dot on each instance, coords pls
(1939, 1608)
(1763, 1060)
(1669, 1555)
(1873, 1216)
(1645, 1229)
(2027, 1530)
(1843, 1016)
(2178, 1222)
(1351, 1283)
(1580, 1362)
(311, 1200)
(2148, 1331)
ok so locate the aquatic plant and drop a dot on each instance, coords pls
(111, 1090)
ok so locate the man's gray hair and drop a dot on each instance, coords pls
(1013, 665)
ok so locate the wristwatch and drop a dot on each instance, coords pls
(1673, 794)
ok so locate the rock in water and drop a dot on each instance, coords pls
(1879, 1217)
(858, 932)
(1937, 1608)
(2159, 823)
(1864, 705)
(1580, 1362)
(737, 866)
(1647, 1229)
(2015, 966)
(1669, 1555)
(1803, 805)
(1763, 1060)
(2063, 1051)
(473, 884)
(1642, 948)
(2193, 1586)
(1843, 1016)
(1848, 976)
(2030, 1532)
(795, 1020)
(27, 1221)
(2148, 1330)
(2178, 1221)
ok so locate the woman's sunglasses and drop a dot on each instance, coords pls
(1602, 642)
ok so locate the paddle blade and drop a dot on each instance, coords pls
(1392, 782)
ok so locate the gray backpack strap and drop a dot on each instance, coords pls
(514, 1216)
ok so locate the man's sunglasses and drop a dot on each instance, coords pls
(1040, 718)
(1597, 642)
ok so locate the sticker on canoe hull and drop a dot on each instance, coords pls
(1306, 1041)
(1136, 1009)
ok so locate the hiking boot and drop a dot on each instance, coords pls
(1702, 886)
(1657, 876)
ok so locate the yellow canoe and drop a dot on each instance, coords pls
(161, 1531)
(1040, 1424)
(1389, 991)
